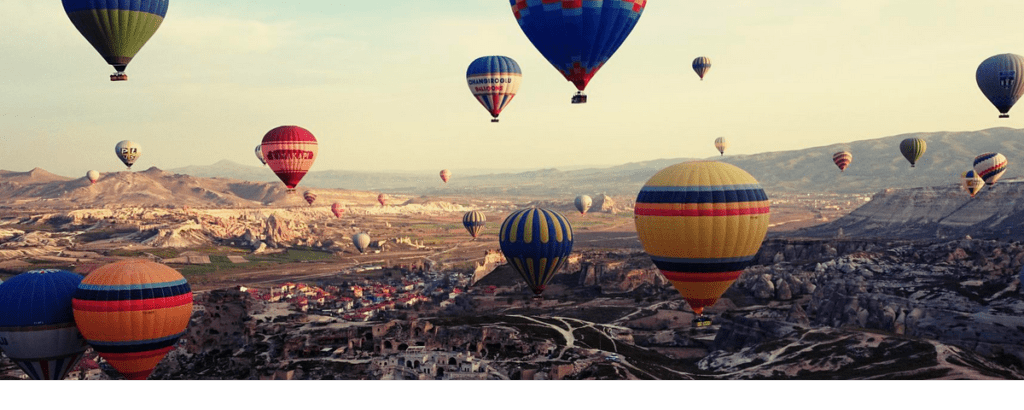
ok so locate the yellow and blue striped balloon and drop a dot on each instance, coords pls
(701, 223)
(537, 243)
(474, 222)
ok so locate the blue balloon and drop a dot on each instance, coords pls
(537, 243)
(37, 324)
(577, 36)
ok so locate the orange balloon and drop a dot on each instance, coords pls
(132, 312)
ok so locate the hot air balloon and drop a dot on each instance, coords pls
(842, 160)
(132, 312)
(990, 167)
(361, 241)
(577, 37)
(259, 154)
(701, 65)
(971, 182)
(537, 243)
(290, 152)
(494, 81)
(999, 78)
(382, 199)
(701, 223)
(583, 203)
(445, 174)
(474, 222)
(117, 29)
(128, 152)
(337, 210)
(93, 176)
(913, 149)
(37, 326)
(721, 144)
(309, 196)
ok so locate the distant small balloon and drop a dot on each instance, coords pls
(701, 65)
(309, 196)
(990, 166)
(93, 176)
(474, 222)
(361, 241)
(583, 203)
(259, 154)
(913, 149)
(971, 182)
(337, 210)
(382, 199)
(128, 152)
(842, 160)
(445, 174)
(999, 78)
(721, 144)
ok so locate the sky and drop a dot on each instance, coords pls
(382, 84)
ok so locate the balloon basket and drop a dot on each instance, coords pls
(701, 321)
(579, 98)
(494, 120)
(119, 76)
(1004, 116)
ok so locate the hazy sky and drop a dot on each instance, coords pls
(382, 84)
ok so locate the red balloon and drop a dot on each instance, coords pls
(290, 152)
(382, 199)
(337, 209)
(445, 174)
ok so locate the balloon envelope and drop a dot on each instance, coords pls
(842, 160)
(37, 326)
(117, 29)
(912, 149)
(701, 65)
(132, 312)
(445, 174)
(361, 241)
(93, 176)
(309, 196)
(999, 78)
(382, 199)
(494, 81)
(537, 243)
(337, 210)
(990, 167)
(290, 152)
(259, 154)
(128, 152)
(721, 144)
(971, 182)
(583, 203)
(702, 223)
(474, 222)
(577, 37)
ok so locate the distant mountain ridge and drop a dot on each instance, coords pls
(877, 165)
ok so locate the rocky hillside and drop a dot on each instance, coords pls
(997, 212)
(154, 188)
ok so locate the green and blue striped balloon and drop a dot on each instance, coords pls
(117, 29)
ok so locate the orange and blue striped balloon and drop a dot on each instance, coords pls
(701, 223)
(474, 222)
(132, 312)
(537, 243)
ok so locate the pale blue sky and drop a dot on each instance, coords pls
(382, 84)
